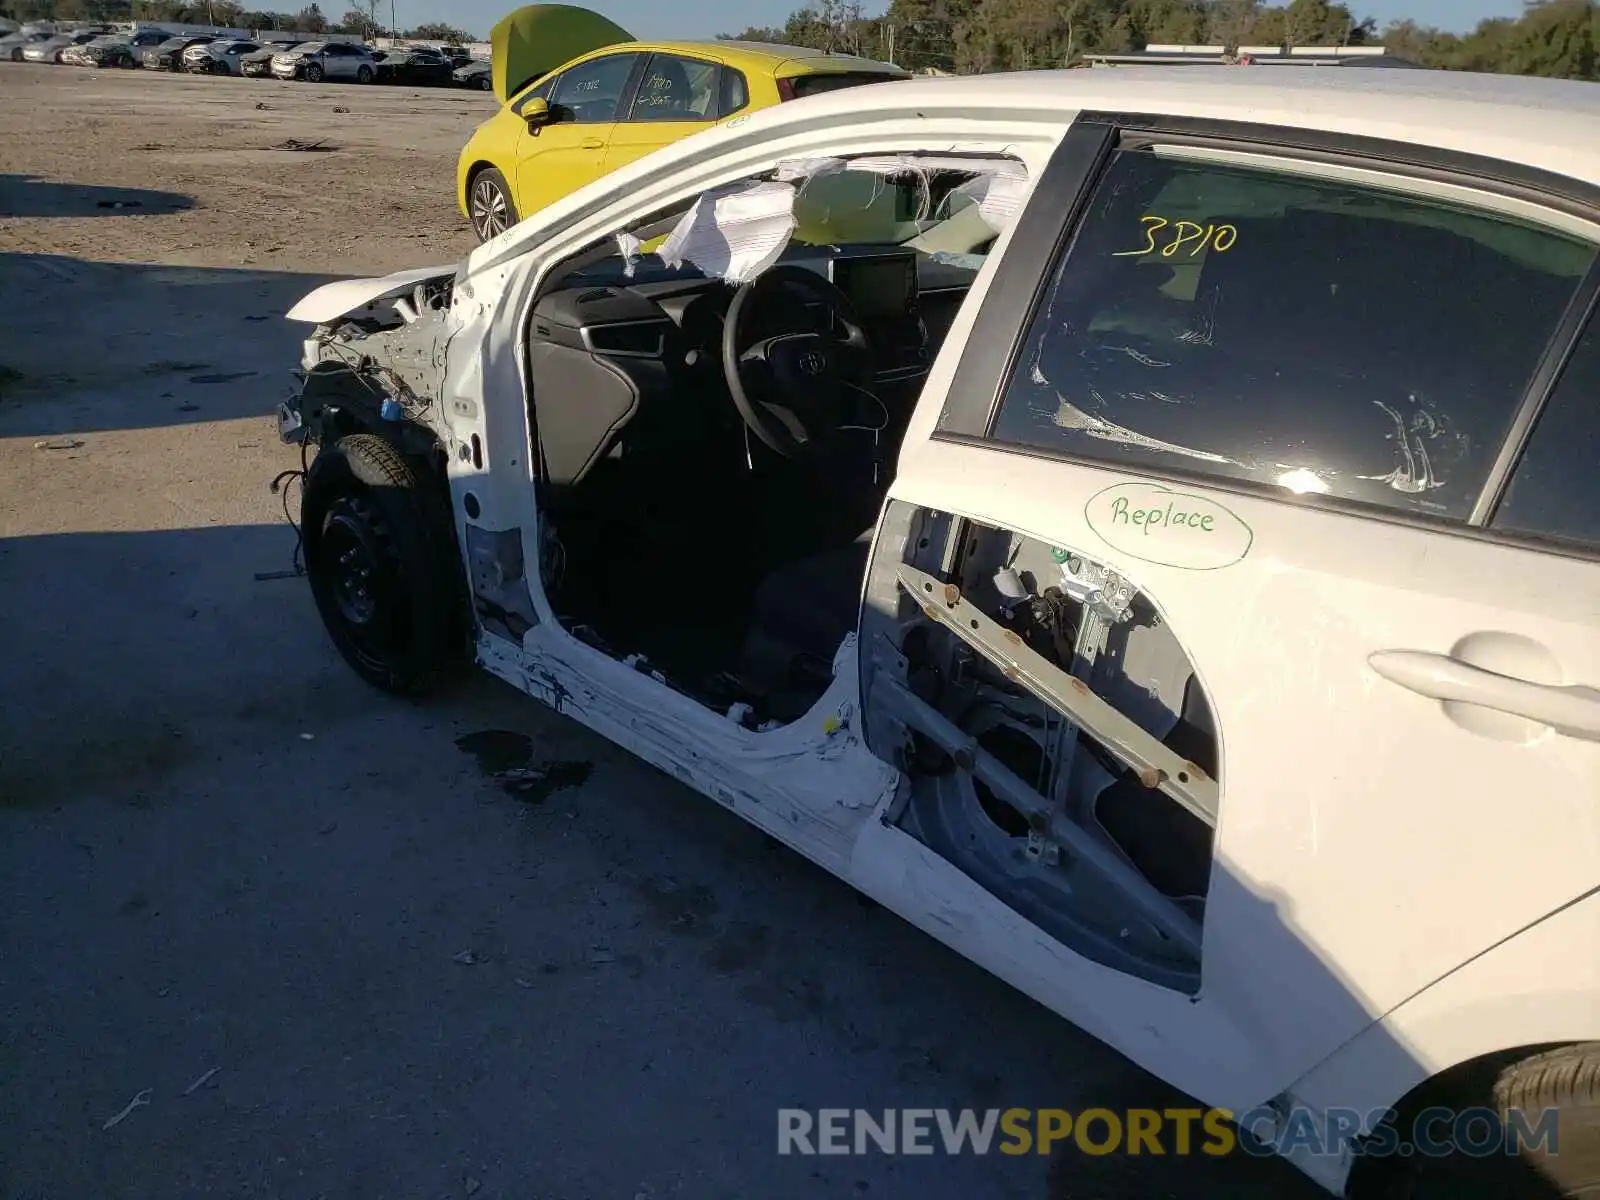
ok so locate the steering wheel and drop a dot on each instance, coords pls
(795, 390)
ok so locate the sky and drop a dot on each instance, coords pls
(705, 18)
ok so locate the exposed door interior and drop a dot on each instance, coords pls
(725, 552)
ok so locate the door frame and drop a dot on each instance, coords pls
(963, 413)
(1000, 328)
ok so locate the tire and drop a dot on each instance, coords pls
(16, 54)
(1567, 1080)
(313, 72)
(383, 565)
(363, 74)
(485, 84)
(490, 207)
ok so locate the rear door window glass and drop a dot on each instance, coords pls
(1297, 330)
(676, 89)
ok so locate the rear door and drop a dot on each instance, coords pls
(337, 63)
(677, 95)
(1233, 610)
(569, 150)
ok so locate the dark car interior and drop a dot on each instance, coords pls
(713, 458)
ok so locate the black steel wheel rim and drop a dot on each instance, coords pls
(362, 581)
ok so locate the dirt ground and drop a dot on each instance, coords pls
(264, 932)
(198, 153)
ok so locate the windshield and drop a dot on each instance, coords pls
(925, 203)
(308, 48)
(948, 209)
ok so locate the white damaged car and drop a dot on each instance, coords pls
(1137, 526)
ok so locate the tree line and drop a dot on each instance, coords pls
(1550, 37)
(363, 19)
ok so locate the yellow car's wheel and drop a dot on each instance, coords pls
(489, 204)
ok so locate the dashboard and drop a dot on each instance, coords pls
(636, 356)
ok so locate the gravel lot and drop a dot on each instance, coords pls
(224, 862)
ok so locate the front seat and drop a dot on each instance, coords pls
(801, 612)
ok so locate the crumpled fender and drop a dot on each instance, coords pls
(334, 300)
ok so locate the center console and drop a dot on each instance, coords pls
(882, 287)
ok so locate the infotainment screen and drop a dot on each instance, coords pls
(882, 287)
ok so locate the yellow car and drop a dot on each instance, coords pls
(579, 97)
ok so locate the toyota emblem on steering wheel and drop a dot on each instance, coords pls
(812, 362)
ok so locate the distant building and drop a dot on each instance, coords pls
(1162, 54)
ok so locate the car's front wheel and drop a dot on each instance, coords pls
(489, 204)
(381, 558)
(364, 74)
(313, 73)
(1546, 1145)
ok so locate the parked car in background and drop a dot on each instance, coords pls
(259, 64)
(476, 74)
(222, 57)
(120, 49)
(76, 54)
(580, 98)
(458, 56)
(50, 49)
(13, 44)
(415, 65)
(316, 61)
(111, 50)
(168, 55)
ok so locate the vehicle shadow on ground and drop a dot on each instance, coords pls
(30, 196)
(139, 346)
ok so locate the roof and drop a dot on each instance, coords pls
(1547, 124)
(1550, 124)
(773, 50)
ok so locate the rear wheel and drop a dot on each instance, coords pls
(313, 72)
(485, 84)
(16, 54)
(490, 207)
(1565, 1082)
(382, 562)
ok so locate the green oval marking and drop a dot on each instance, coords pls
(1155, 524)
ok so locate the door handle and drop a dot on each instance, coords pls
(1570, 709)
(591, 144)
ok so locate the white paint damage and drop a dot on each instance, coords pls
(334, 300)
